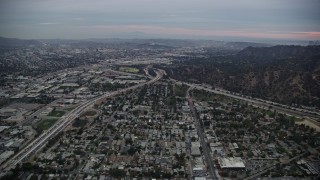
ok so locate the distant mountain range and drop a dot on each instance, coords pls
(17, 43)
(288, 74)
(6, 43)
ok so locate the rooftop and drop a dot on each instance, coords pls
(231, 162)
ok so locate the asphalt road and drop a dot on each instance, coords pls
(257, 175)
(65, 120)
(29, 121)
(202, 139)
(298, 112)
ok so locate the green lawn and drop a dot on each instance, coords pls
(129, 69)
(56, 113)
(45, 124)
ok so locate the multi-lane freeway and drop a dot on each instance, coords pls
(64, 121)
(256, 102)
(298, 112)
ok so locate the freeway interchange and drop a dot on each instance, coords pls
(67, 119)
(41, 141)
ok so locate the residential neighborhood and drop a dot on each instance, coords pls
(152, 131)
(126, 118)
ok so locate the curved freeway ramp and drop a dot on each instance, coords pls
(40, 141)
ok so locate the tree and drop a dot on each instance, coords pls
(132, 150)
(117, 173)
(250, 154)
(10, 176)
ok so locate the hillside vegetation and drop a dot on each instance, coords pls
(286, 74)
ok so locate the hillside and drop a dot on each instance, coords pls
(287, 74)
(279, 52)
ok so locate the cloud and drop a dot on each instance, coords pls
(201, 32)
(243, 18)
(315, 35)
(49, 23)
(78, 19)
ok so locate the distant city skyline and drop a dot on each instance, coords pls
(202, 19)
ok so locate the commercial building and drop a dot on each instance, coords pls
(231, 163)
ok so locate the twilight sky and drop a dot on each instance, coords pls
(214, 19)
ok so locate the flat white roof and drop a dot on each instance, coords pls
(231, 162)
(200, 178)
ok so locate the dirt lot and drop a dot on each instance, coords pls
(309, 123)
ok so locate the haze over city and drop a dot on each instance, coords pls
(166, 89)
(201, 19)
